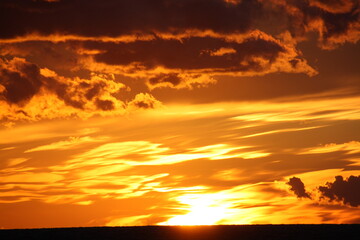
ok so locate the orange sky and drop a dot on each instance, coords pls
(179, 112)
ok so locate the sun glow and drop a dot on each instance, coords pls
(204, 209)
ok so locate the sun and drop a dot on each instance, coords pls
(203, 209)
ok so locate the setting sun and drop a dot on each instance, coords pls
(203, 209)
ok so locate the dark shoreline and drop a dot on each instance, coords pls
(220, 232)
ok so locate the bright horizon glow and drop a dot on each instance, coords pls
(203, 209)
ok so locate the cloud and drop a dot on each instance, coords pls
(19, 80)
(298, 187)
(31, 177)
(117, 18)
(302, 110)
(336, 22)
(346, 191)
(193, 59)
(179, 80)
(60, 57)
(71, 142)
(334, 6)
(30, 92)
(68, 66)
(15, 161)
(351, 147)
(340, 191)
(173, 61)
(144, 101)
(164, 156)
(137, 153)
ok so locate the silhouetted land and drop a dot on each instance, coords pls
(238, 232)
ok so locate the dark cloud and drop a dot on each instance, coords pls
(62, 90)
(105, 105)
(334, 6)
(190, 53)
(114, 18)
(172, 78)
(298, 187)
(256, 54)
(336, 21)
(60, 57)
(20, 81)
(346, 191)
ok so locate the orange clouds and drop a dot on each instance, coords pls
(181, 62)
(335, 21)
(253, 54)
(179, 80)
(156, 167)
(144, 101)
(334, 6)
(66, 144)
(63, 69)
(349, 147)
(20, 80)
(29, 92)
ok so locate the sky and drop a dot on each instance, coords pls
(179, 112)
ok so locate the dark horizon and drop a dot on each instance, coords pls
(228, 232)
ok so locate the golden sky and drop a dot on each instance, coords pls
(179, 112)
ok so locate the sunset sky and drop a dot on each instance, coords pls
(179, 112)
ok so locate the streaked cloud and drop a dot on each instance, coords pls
(350, 147)
(175, 170)
(16, 161)
(253, 54)
(72, 142)
(31, 177)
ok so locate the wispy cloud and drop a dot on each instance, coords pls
(349, 147)
(71, 142)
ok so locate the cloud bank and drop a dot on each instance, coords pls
(79, 61)
(335, 21)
